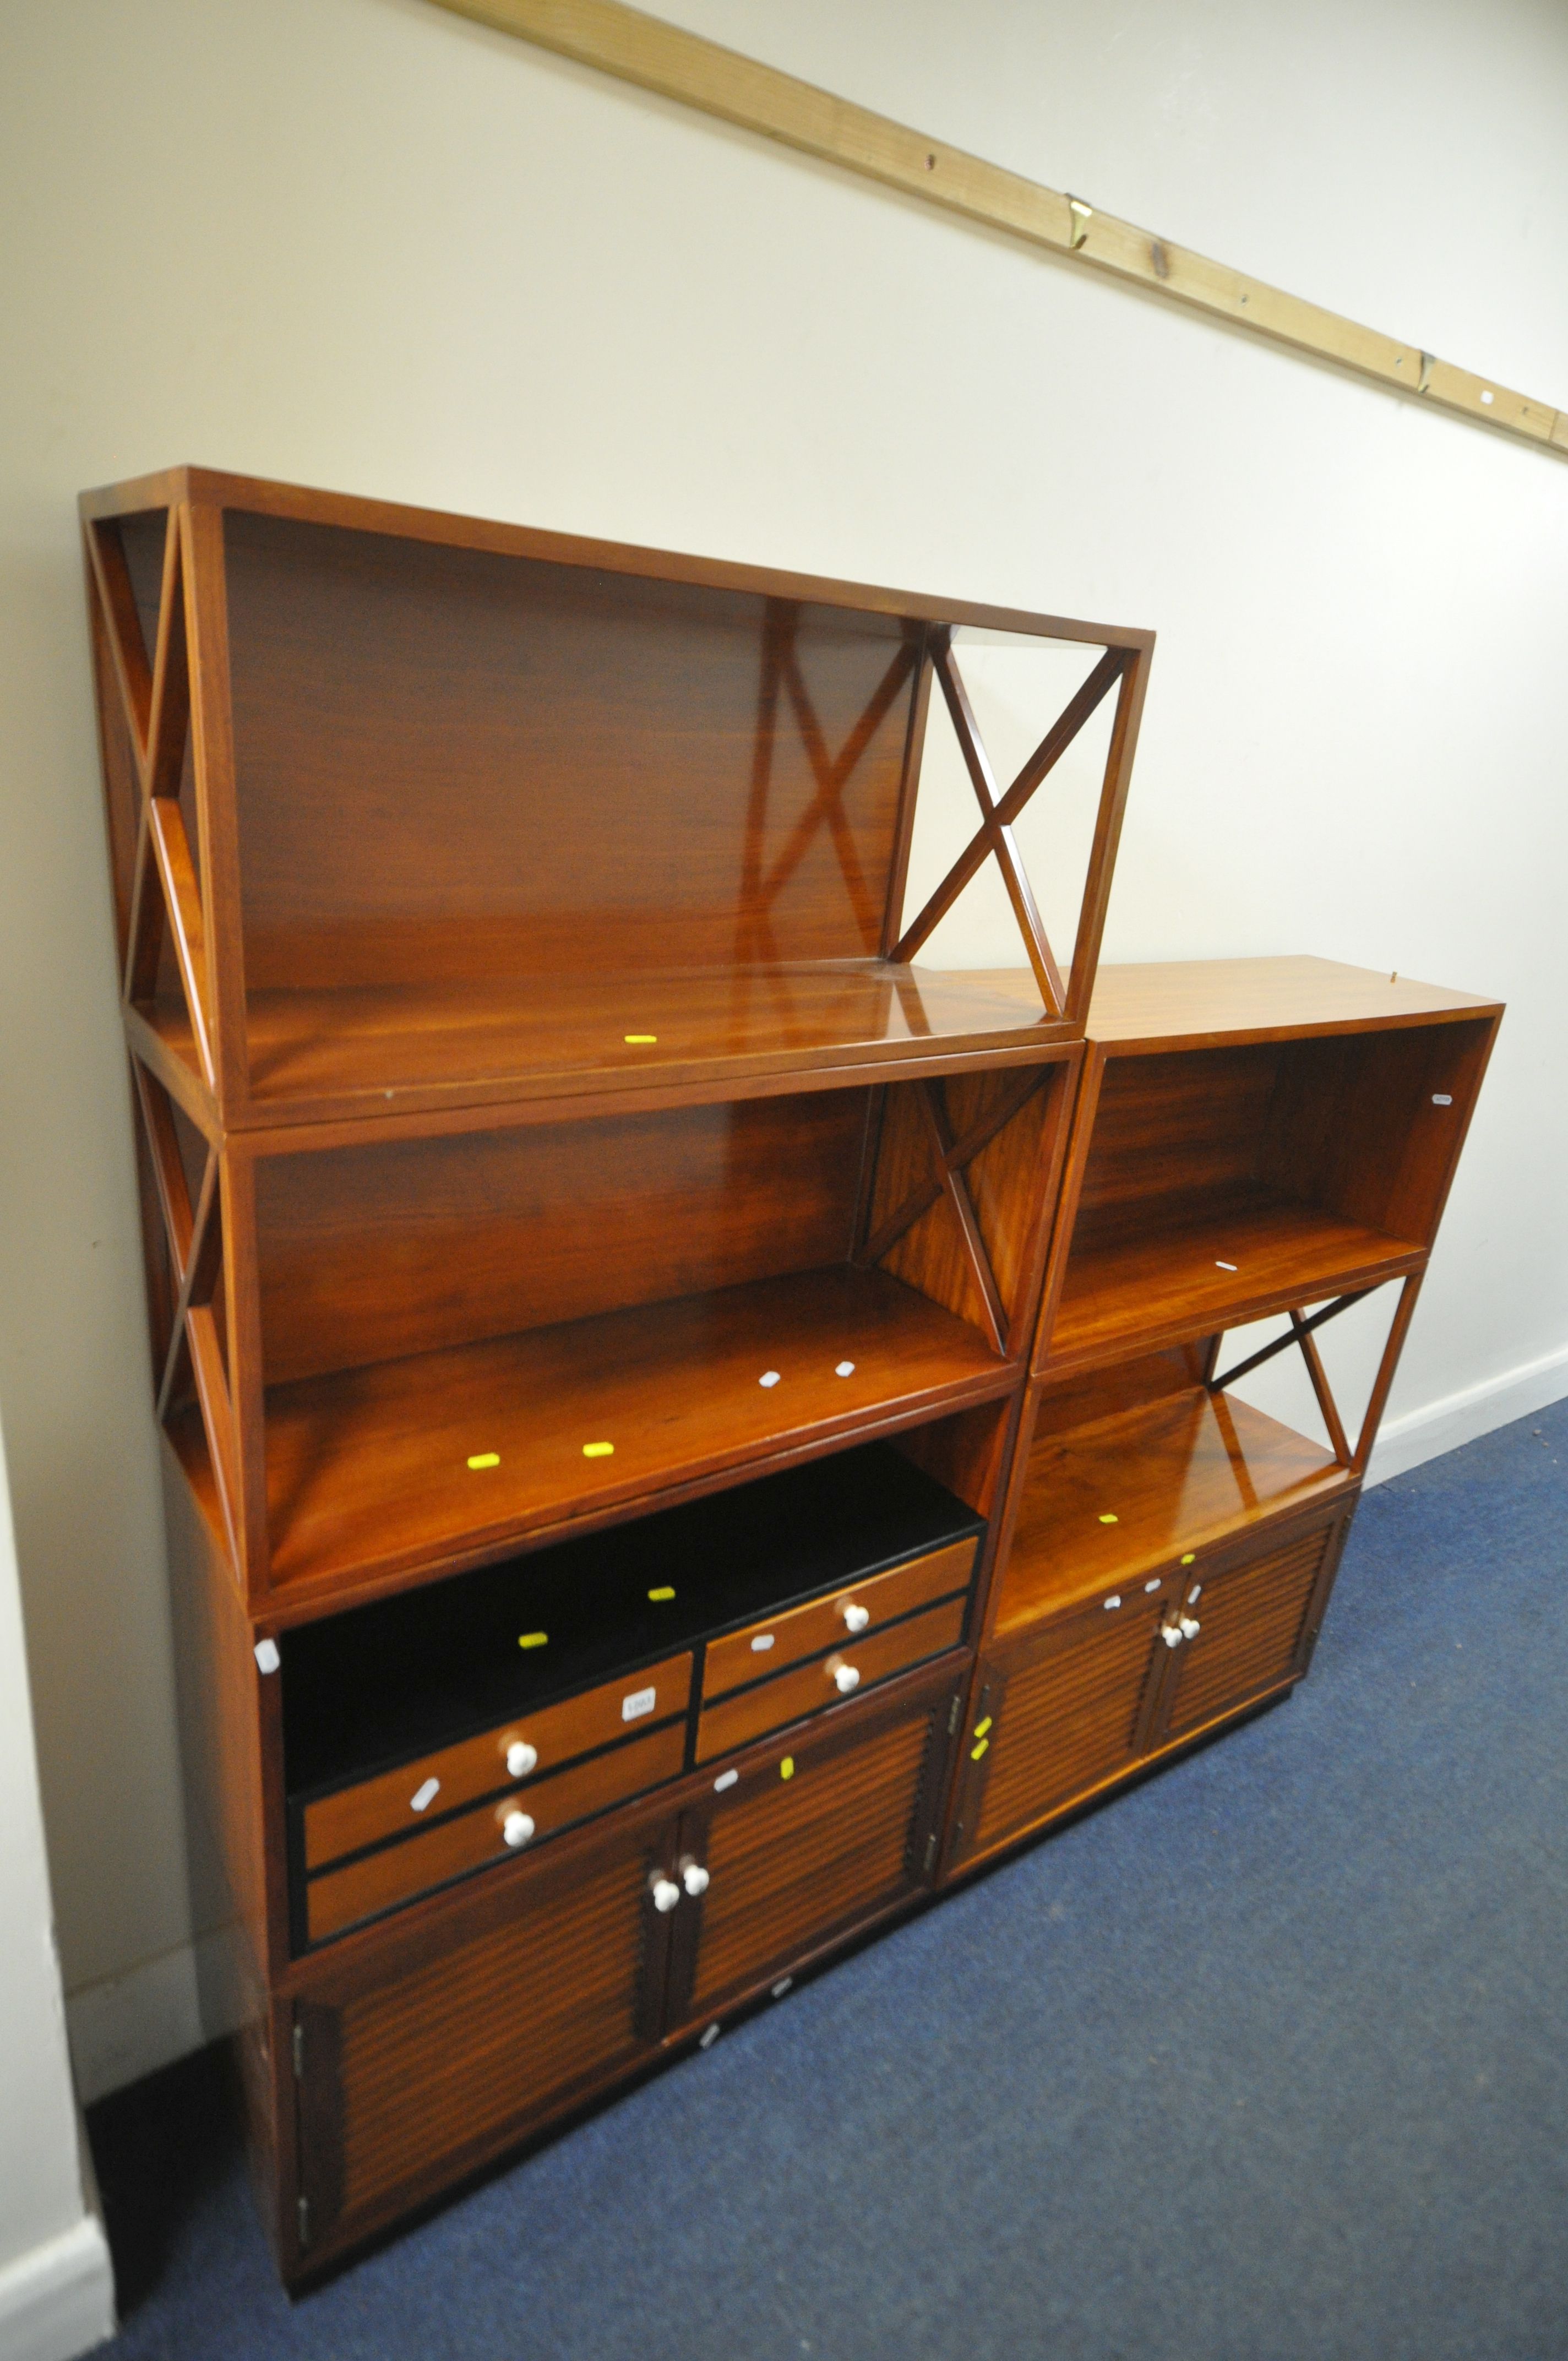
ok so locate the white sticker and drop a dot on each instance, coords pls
(710, 2037)
(1225, 1266)
(422, 1797)
(1114, 1599)
(725, 1779)
(768, 1377)
(267, 1655)
(845, 1369)
(1441, 1098)
(640, 1702)
(783, 1987)
(763, 1640)
(1196, 1592)
(1154, 1585)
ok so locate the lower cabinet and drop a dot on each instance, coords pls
(423, 2049)
(1083, 1698)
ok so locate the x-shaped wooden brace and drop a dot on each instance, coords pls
(1300, 1333)
(949, 1158)
(156, 705)
(832, 773)
(995, 835)
(196, 1257)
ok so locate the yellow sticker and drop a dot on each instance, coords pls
(976, 1752)
(787, 1768)
(1188, 1558)
(486, 1459)
(982, 1727)
(636, 1039)
(599, 1451)
(1109, 1519)
(665, 1590)
(533, 1639)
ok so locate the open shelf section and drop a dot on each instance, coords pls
(1193, 1004)
(369, 1471)
(1263, 1254)
(323, 1056)
(1115, 1499)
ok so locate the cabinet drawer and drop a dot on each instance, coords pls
(822, 1623)
(339, 1897)
(735, 1721)
(385, 1806)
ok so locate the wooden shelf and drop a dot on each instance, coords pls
(1171, 1283)
(367, 1474)
(1179, 1473)
(323, 1056)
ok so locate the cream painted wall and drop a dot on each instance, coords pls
(57, 2293)
(362, 244)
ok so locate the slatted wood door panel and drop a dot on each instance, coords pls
(795, 1861)
(1058, 1713)
(1258, 1618)
(463, 2036)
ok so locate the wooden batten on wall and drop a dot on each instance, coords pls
(675, 64)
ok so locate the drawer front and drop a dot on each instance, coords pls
(341, 1897)
(387, 1805)
(876, 1656)
(822, 1623)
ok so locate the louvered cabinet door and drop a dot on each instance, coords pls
(450, 2044)
(811, 1839)
(1059, 1712)
(1255, 1618)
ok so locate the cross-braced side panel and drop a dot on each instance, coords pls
(957, 1195)
(1301, 1332)
(1121, 668)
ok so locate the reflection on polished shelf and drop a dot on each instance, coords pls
(686, 1427)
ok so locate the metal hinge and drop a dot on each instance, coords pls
(299, 2051)
(930, 1851)
(953, 1713)
(303, 2213)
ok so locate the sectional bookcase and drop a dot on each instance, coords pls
(643, 1364)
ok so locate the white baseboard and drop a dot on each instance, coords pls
(58, 2300)
(131, 2024)
(1441, 1426)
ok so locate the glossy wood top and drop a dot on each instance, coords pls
(255, 497)
(1192, 1003)
(329, 1056)
(1177, 1473)
(368, 1479)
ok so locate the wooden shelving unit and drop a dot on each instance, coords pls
(1252, 1137)
(687, 1429)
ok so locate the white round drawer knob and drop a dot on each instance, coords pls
(1171, 1634)
(845, 1679)
(665, 1892)
(521, 1758)
(1190, 1627)
(516, 1828)
(694, 1877)
(857, 1618)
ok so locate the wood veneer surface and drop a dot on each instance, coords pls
(1173, 1004)
(1173, 1282)
(1176, 1474)
(322, 1055)
(367, 1472)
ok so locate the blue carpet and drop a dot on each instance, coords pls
(1267, 2058)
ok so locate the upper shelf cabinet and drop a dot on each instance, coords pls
(1238, 1154)
(412, 812)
